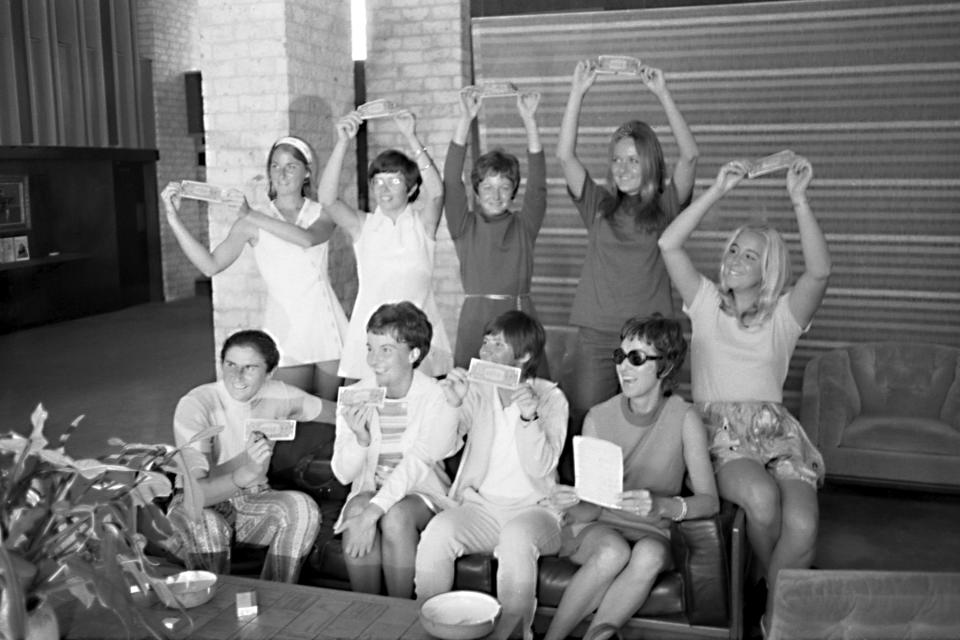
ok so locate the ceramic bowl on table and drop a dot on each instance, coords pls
(188, 588)
(460, 615)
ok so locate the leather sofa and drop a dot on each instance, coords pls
(700, 597)
(886, 413)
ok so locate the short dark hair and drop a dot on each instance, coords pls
(407, 323)
(496, 163)
(666, 336)
(255, 339)
(524, 334)
(393, 161)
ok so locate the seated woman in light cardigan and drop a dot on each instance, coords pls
(392, 455)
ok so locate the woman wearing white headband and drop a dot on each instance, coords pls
(289, 241)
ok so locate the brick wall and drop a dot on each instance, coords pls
(273, 67)
(168, 34)
(270, 68)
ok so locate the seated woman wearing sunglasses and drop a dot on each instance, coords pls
(620, 551)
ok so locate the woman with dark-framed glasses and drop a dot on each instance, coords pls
(621, 550)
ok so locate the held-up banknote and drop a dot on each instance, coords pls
(352, 396)
(494, 89)
(202, 191)
(499, 375)
(271, 429)
(769, 164)
(621, 65)
(381, 108)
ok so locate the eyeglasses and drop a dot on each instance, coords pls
(386, 181)
(636, 357)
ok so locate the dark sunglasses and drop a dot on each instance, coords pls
(636, 357)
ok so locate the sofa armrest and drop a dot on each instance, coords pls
(703, 550)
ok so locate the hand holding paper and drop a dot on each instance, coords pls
(598, 469)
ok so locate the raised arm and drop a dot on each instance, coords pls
(328, 189)
(684, 172)
(432, 188)
(527, 103)
(317, 233)
(208, 262)
(682, 272)
(535, 194)
(806, 296)
(574, 172)
(455, 204)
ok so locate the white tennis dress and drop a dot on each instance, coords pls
(303, 313)
(394, 263)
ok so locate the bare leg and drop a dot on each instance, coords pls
(798, 532)
(746, 483)
(326, 379)
(602, 556)
(400, 529)
(300, 376)
(364, 572)
(631, 588)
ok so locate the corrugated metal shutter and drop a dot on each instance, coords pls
(869, 92)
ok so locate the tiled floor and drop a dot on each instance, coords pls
(126, 370)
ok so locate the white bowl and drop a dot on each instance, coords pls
(460, 615)
(189, 589)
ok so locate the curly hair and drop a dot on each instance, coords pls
(406, 323)
(496, 163)
(666, 336)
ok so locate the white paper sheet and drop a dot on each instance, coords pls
(598, 470)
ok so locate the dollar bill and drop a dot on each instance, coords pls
(352, 396)
(277, 429)
(378, 109)
(622, 65)
(202, 191)
(494, 89)
(769, 164)
(499, 375)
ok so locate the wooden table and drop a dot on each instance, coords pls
(287, 611)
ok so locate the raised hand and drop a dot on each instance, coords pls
(259, 449)
(348, 126)
(526, 400)
(584, 75)
(236, 200)
(652, 78)
(731, 174)
(527, 103)
(358, 419)
(469, 102)
(171, 197)
(406, 122)
(455, 386)
(798, 177)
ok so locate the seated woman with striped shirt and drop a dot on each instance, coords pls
(392, 454)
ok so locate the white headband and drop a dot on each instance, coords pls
(297, 144)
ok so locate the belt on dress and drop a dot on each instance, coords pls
(518, 298)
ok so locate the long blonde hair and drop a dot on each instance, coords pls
(775, 274)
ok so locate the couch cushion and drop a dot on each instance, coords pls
(897, 379)
(902, 433)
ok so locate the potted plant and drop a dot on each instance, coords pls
(79, 527)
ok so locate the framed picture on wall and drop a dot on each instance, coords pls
(14, 203)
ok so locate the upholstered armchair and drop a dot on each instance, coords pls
(886, 413)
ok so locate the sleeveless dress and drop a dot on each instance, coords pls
(394, 263)
(303, 313)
